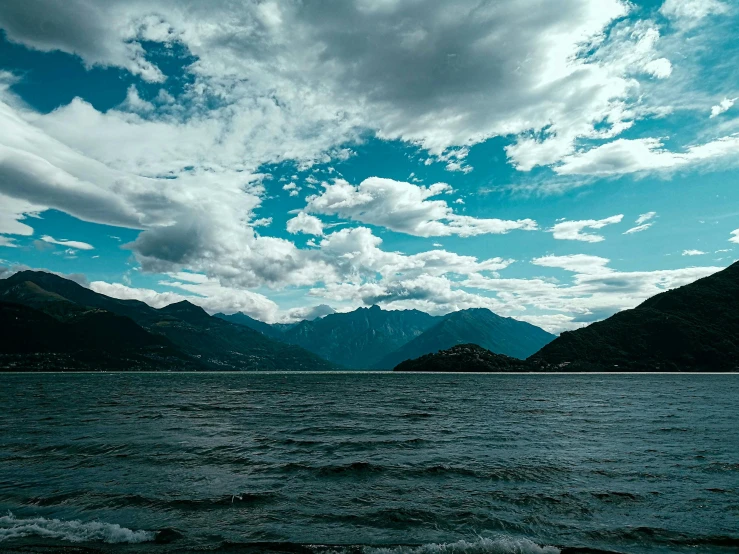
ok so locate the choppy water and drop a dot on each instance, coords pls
(371, 462)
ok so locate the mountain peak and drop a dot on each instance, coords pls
(184, 309)
(500, 335)
(183, 305)
(40, 277)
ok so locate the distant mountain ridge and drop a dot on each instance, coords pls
(187, 332)
(358, 339)
(373, 338)
(480, 326)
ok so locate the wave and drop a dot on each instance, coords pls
(498, 545)
(651, 535)
(12, 527)
(531, 473)
(356, 468)
(192, 504)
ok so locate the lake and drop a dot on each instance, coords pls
(369, 462)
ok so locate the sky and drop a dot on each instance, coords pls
(555, 162)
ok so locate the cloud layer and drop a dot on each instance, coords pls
(303, 83)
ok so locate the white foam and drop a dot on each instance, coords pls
(72, 530)
(498, 545)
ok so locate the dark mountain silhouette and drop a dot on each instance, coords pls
(191, 333)
(469, 358)
(82, 340)
(360, 338)
(500, 335)
(691, 328)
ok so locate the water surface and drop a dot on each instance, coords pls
(365, 461)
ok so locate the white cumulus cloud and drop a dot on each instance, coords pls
(305, 223)
(405, 208)
(721, 107)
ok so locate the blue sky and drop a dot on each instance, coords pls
(552, 163)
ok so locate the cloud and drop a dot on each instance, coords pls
(198, 289)
(304, 223)
(423, 73)
(721, 107)
(693, 252)
(643, 218)
(134, 103)
(101, 37)
(689, 13)
(638, 229)
(641, 223)
(660, 68)
(356, 255)
(405, 208)
(572, 230)
(735, 236)
(7, 242)
(623, 156)
(436, 295)
(345, 260)
(184, 168)
(308, 313)
(12, 214)
(596, 290)
(292, 188)
(262, 222)
(77, 245)
(578, 263)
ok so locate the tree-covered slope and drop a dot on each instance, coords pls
(464, 358)
(82, 340)
(691, 328)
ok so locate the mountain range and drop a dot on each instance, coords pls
(373, 338)
(55, 323)
(691, 328)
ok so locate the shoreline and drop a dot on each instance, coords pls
(370, 372)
